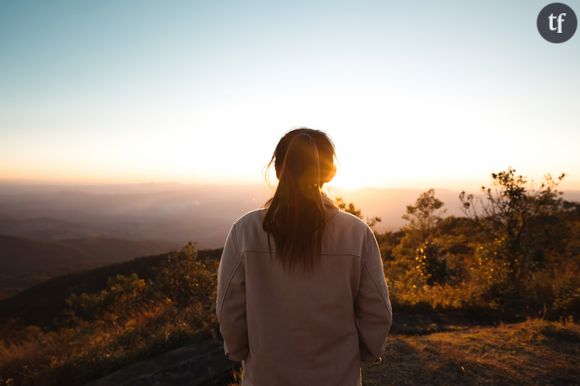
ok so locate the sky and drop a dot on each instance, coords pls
(413, 94)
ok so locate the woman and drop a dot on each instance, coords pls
(302, 297)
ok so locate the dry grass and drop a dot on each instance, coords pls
(535, 352)
(72, 356)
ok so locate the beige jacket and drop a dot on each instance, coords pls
(303, 329)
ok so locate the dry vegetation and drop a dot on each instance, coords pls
(130, 319)
(535, 352)
(515, 256)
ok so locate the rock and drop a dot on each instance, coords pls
(192, 365)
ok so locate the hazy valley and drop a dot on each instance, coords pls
(46, 230)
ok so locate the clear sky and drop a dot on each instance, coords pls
(415, 94)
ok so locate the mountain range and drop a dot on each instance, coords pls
(48, 230)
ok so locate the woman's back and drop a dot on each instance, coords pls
(311, 309)
(303, 327)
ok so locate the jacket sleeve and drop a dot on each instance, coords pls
(372, 304)
(231, 300)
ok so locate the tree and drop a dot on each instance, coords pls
(420, 255)
(431, 265)
(352, 209)
(185, 278)
(512, 216)
(425, 215)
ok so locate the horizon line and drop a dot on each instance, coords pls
(80, 183)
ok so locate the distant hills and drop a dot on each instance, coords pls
(174, 212)
(47, 230)
(171, 212)
(25, 262)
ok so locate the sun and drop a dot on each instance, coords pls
(350, 180)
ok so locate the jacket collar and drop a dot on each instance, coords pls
(329, 206)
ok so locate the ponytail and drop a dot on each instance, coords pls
(295, 215)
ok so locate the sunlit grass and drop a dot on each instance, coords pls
(532, 352)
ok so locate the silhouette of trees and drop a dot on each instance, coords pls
(419, 258)
(518, 223)
(425, 215)
(352, 209)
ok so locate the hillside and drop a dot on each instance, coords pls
(25, 262)
(40, 303)
(453, 282)
(531, 352)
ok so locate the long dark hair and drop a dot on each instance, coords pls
(295, 215)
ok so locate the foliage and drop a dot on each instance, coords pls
(515, 253)
(122, 296)
(130, 319)
(185, 279)
(521, 227)
(352, 209)
(431, 265)
(425, 215)
(418, 256)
